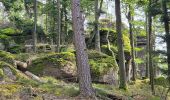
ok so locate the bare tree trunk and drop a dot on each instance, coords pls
(132, 45)
(150, 50)
(96, 33)
(58, 26)
(121, 56)
(35, 27)
(81, 53)
(96, 29)
(65, 23)
(147, 51)
(166, 24)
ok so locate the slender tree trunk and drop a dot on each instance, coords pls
(132, 45)
(58, 26)
(147, 47)
(166, 25)
(121, 56)
(96, 29)
(35, 27)
(150, 49)
(96, 33)
(65, 22)
(81, 53)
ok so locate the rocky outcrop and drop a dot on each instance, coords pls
(63, 66)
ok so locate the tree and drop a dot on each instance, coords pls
(83, 68)
(96, 28)
(147, 51)
(150, 47)
(121, 56)
(35, 26)
(130, 20)
(58, 26)
(166, 25)
(132, 45)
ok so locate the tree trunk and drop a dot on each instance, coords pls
(121, 56)
(81, 53)
(65, 23)
(96, 32)
(96, 29)
(147, 51)
(132, 45)
(150, 49)
(58, 26)
(35, 27)
(166, 25)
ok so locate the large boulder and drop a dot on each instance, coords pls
(63, 66)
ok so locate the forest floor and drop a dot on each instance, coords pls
(52, 88)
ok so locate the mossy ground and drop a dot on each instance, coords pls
(139, 90)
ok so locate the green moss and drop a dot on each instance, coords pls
(15, 72)
(113, 39)
(126, 41)
(1, 73)
(22, 56)
(37, 68)
(106, 50)
(100, 66)
(55, 59)
(95, 54)
(9, 89)
(162, 81)
(6, 57)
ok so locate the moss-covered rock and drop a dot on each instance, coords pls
(54, 64)
(9, 72)
(62, 65)
(103, 68)
(7, 57)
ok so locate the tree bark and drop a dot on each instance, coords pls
(121, 56)
(96, 29)
(58, 26)
(166, 25)
(96, 32)
(65, 23)
(150, 49)
(35, 27)
(83, 68)
(147, 47)
(132, 45)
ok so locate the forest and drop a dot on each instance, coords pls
(84, 49)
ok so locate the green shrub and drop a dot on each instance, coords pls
(139, 60)
(15, 49)
(9, 31)
(162, 81)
